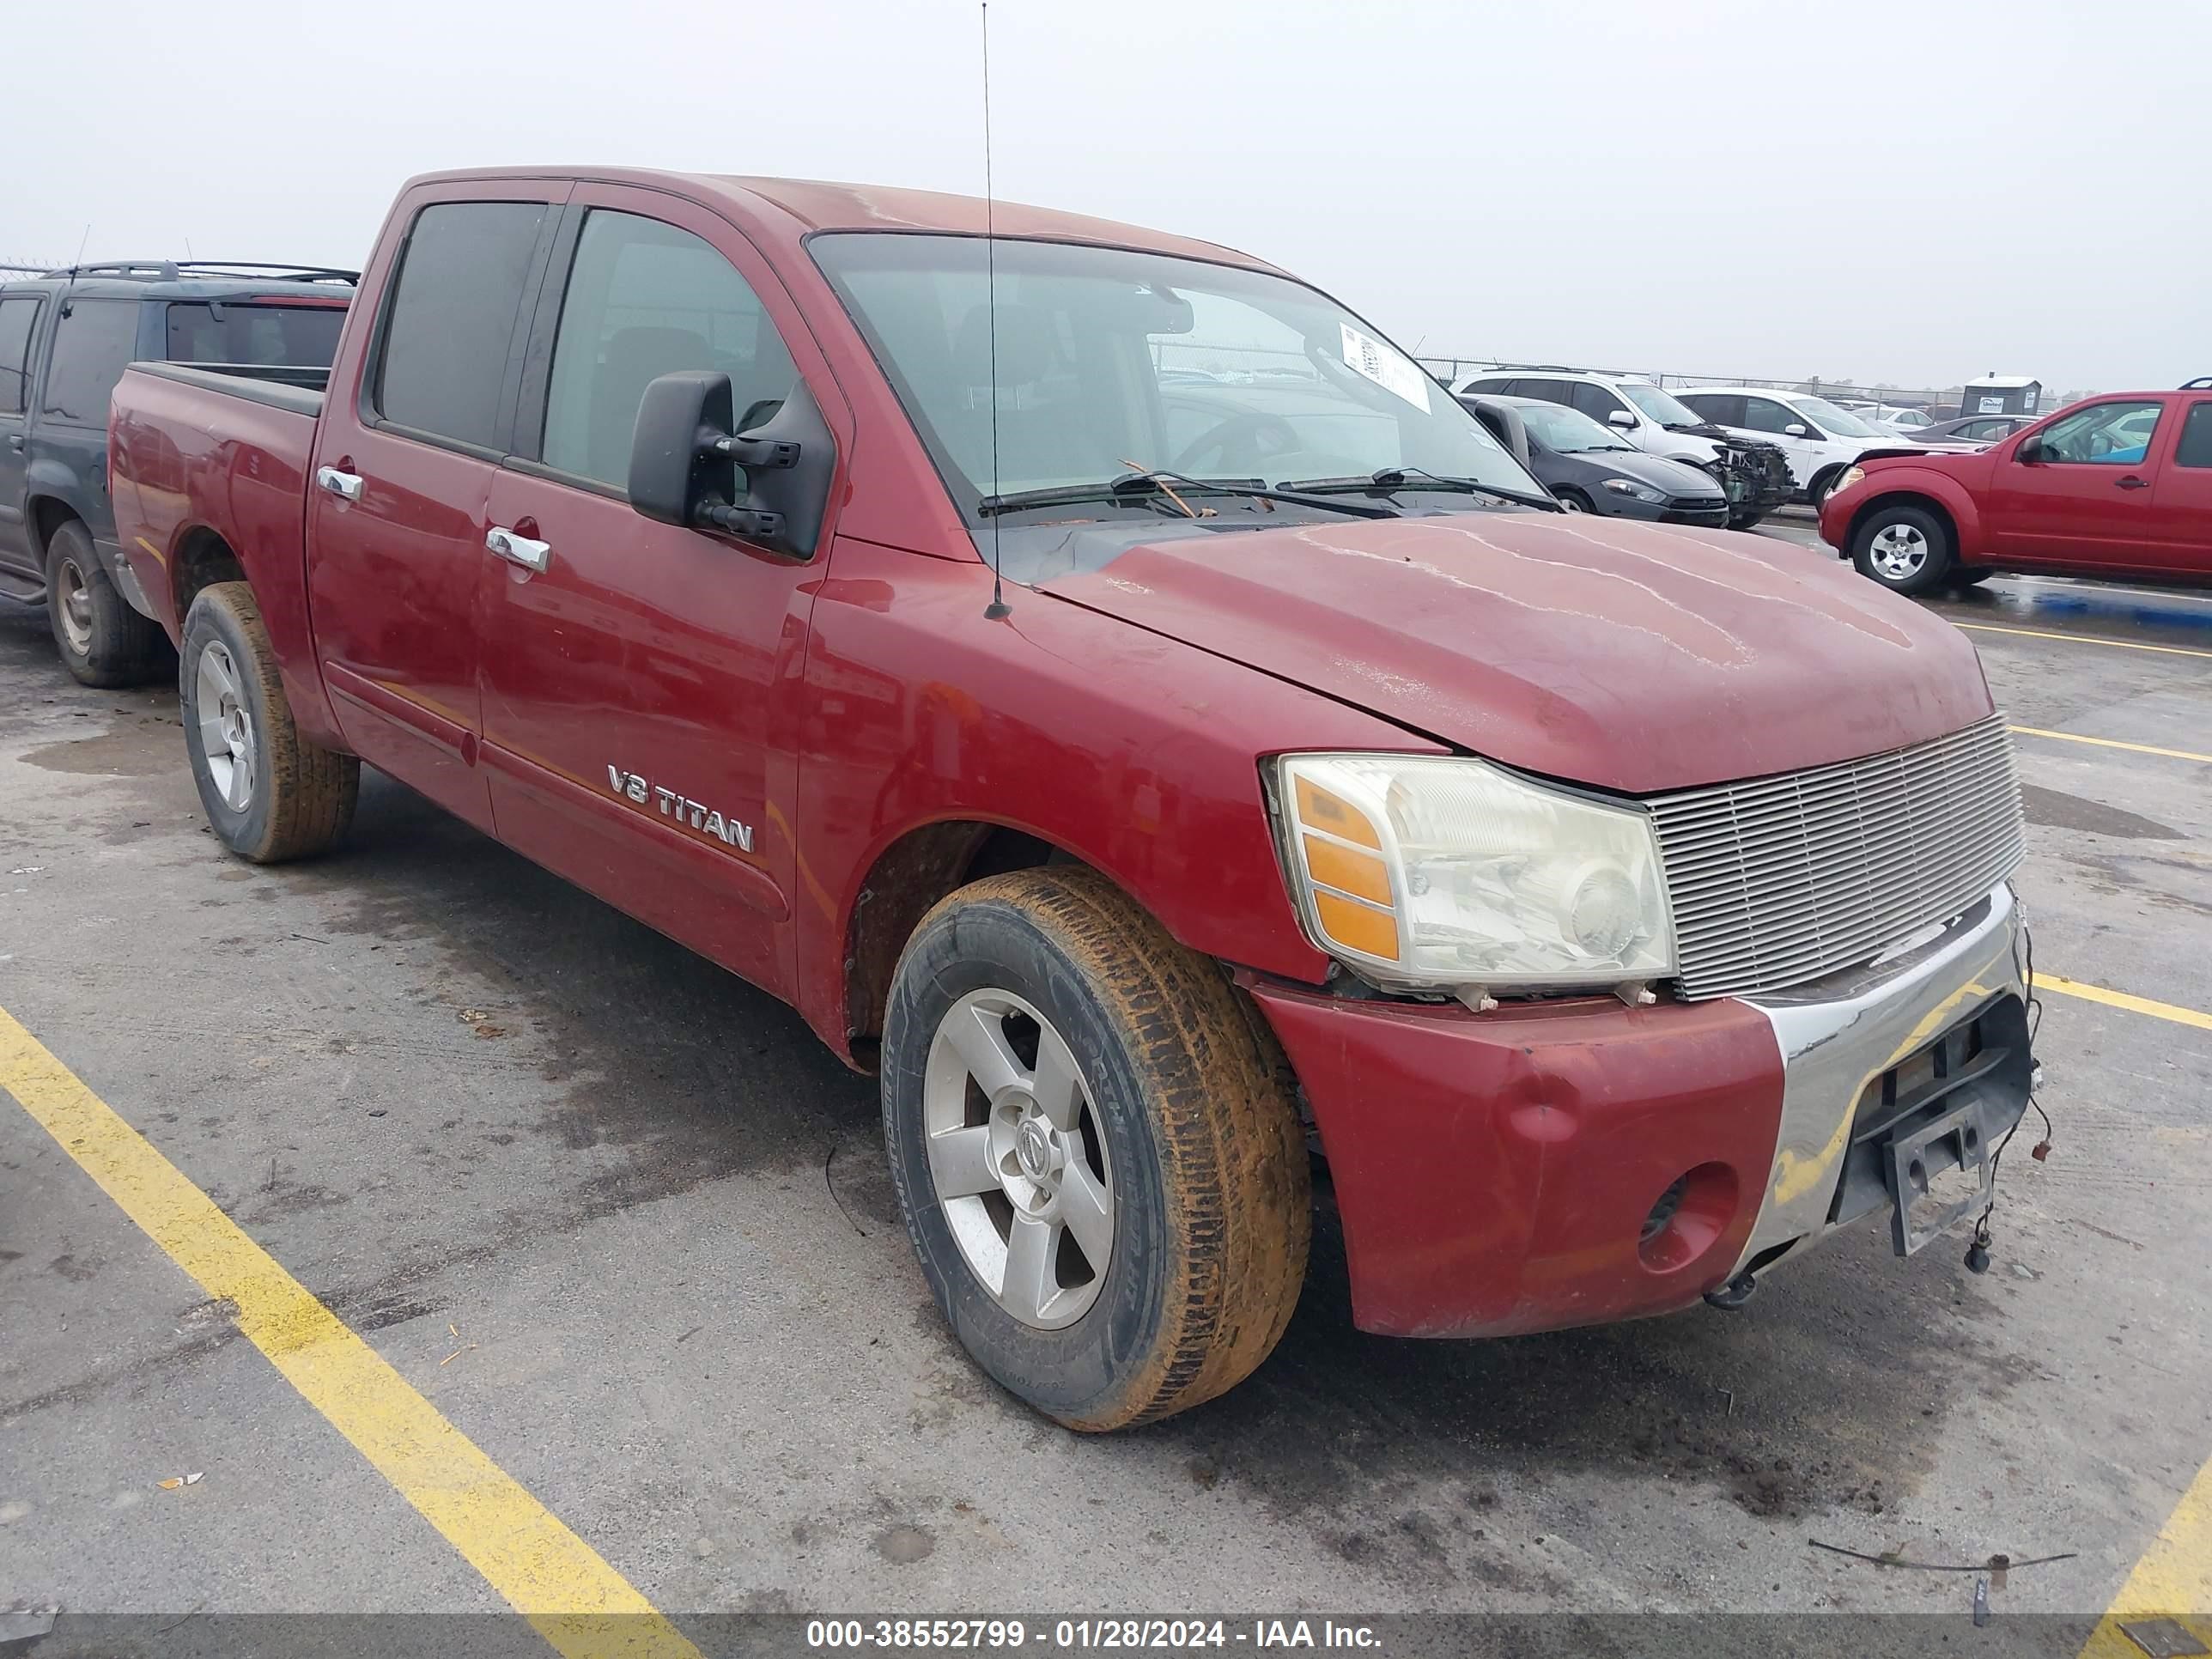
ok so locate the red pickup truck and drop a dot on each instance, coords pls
(1123, 702)
(2120, 485)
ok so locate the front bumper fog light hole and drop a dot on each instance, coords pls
(1688, 1218)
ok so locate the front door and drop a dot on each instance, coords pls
(409, 443)
(1772, 422)
(640, 679)
(19, 316)
(2087, 498)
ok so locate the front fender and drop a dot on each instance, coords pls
(1938, 486)
(1138, 754)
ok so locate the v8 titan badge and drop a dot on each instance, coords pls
(728, 830)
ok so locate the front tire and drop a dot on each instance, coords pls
(1906, 549)
(103, 641)
(269, 794)
(1817, 493)
(1573, 500)
(1102, 1174)
(1744, 517)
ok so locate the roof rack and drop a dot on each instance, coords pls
(2202, 382)
(1563, 368)
(170, 270)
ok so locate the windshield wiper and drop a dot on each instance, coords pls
(1388, 479)
(1147, 487)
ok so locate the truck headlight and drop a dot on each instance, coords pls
(1427, 873)
(1847, 477)
(1642, 492)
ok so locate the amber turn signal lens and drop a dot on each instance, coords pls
(1356, 928)
(1320, 810)
(1348, 870)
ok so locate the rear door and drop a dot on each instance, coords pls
(412, 432)
(2181, 499)
(2089, 500)
(640, 684)
(19, 318)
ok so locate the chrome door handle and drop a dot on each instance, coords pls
(518, 550)
(346, 486)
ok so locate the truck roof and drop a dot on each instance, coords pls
(798, 207)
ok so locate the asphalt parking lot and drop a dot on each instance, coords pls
(624, 1224)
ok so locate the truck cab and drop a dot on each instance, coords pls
(65, 337)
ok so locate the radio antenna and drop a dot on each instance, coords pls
(997, 607)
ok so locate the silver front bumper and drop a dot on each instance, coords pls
(1841, 1033)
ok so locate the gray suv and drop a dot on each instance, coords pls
(64, 339)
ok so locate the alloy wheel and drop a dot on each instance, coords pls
(75, 606)
(1017, 1158)
(226, 727)
(1898, 551)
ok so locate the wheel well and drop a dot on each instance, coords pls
(1928, 504)
(909, 877)
(48, 515)
(204, 558)
(1822, 476)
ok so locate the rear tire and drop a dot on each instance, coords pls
(1170, 1131)
(269, 794)
(102, 641)
(1906, 549)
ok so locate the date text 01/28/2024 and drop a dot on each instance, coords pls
(1086, 1633)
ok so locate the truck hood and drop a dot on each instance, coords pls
(1627, 656)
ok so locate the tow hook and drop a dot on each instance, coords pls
(1733, 1294)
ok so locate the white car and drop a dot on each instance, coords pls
(1819, 439)
(1648, 417)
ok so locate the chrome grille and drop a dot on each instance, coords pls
(1780, 880)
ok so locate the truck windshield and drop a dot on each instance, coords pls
(254, 331)
(1663, 407)
(1110, 359)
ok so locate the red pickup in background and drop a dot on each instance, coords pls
(2119, 485)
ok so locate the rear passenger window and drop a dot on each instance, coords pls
(452, 314)
(2195, 448)
(645, 300)
(16, 317)
(1718, 407)
(94, 341)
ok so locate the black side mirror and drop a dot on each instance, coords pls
(2030, 452)
(768, 485)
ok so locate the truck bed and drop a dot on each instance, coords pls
(298, 388)
(209, 467)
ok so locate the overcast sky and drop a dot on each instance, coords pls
(1913, 193)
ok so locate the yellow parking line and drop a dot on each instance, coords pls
(2112, 743)
(2134, 1004)
(2084, 639)
(580, 1605)
(2172, 1579)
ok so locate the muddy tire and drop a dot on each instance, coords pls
(102, 641)
(1052, 1058)
(269, 794)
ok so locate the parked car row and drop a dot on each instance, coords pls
(1151, 777)
(1753, 474)
(64, 340)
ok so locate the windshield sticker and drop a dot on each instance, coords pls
(1366, 356)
